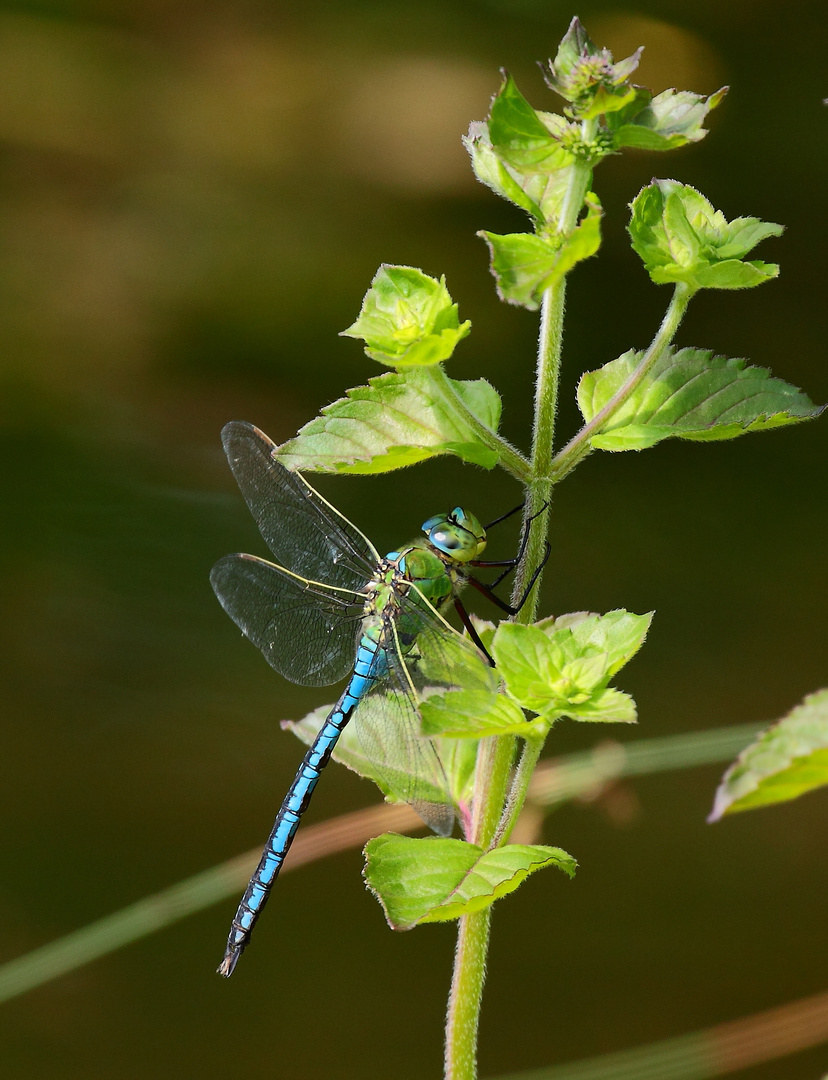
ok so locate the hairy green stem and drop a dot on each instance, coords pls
(494, 765)
(547, 379)
(494, 762)
(578, 446)
(546, 402)
(492, 821)
(532, 748)
(466, 992)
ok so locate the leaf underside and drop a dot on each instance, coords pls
(439, 879)
(689, 394)
(786, 761)
(398, 419)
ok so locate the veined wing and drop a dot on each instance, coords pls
(419, 653)
(307, 630)
(303, 530)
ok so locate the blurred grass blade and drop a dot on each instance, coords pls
(557, 781)
(187, 897)
(712, 1052)
(554, 782)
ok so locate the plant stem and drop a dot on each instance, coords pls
(547, 379)
(532, 748)
(578, 446)
(466, 993)
(546, 403)
(494, 763)
(495, 756)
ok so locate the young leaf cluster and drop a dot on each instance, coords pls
(556, 668)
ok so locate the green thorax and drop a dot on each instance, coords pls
(436, 567)
(418, 566)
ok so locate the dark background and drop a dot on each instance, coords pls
(193, 200)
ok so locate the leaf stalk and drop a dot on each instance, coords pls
(578, 446)
(508, 456)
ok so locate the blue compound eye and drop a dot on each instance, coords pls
(458, 535)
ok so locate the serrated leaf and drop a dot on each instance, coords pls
(732, 274)
(527, 665)
(440, 879)
(491, 171)
(620, 634)
(518, 134)
(671, 119)
(680, 237)
(458, 757)
(408, 319)
(473, 714)
(562, 668)
(536, 183)
(632, 137)
(520, 262)
(398, 419)
(689, 394)
(525, 265)
(609, 706)
(786, 761)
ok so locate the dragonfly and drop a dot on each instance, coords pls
(329, 607)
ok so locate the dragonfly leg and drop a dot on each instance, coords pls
(503, 517)
(510, 609)
(469, 625)
(510, 564)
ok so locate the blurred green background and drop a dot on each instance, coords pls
(194, 198)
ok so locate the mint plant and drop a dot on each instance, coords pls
(492, 729)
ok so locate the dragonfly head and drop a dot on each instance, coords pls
(457, 534)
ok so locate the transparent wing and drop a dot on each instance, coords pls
(419, 653)
(304, 532)
(307, 631)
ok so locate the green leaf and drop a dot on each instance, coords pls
(492, 171)
(525, 266)
(473, 713)
(458, 757)
(518, 134)
(787, 760)
(535, 181)
(671, 119)
(519, 263)
(528, 666)
(608, 706)
(562, 668)
(437, 879)
(398, 419)
(408, 319)
(620, 634)
(732, 274)
(681, 238)
(689, 394)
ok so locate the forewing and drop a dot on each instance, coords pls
(304, 532)
(418, 653)
(408, 765)
(306, 631)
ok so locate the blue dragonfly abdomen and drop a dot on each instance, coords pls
(368, 666)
